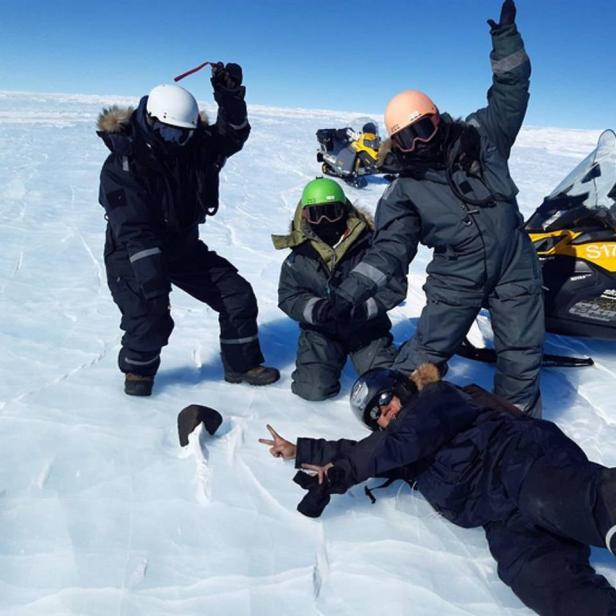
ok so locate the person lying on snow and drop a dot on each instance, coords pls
(157, 186)
(479, 461)
(328, 238)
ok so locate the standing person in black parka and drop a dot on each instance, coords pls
(157, 185)
(455, 195)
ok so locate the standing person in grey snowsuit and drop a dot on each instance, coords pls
(455, 195)
(328, 238)
(157, 185)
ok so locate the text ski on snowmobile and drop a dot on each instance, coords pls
(479, 461)
(454, 194)
(159, 183)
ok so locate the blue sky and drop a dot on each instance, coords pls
(335, 55)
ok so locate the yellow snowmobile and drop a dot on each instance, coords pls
(574, 234)
(350, 154)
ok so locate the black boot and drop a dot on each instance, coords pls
(261, 375)
(137, 385)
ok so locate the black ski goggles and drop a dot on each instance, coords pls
(171, 134)
(423, 130)
(332, 212)
(383, 400)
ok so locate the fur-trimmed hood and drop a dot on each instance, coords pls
(117, 126)
(116, 119)
(299, 232)
(424, 375)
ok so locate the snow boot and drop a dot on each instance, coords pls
(260, 375)
(137, 385)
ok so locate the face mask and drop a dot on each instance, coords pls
(330, 232)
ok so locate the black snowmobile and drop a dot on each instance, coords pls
(574, 234)
(350, 154)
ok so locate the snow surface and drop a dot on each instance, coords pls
(101, 511)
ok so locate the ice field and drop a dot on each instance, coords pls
(103, 514)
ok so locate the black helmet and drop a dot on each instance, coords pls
(371, 385)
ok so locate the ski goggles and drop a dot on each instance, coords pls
(172, 134)
(421, 131)
(332, 212)
(383, 400)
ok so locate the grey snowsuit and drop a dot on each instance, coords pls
(482, 256)
(310, 273)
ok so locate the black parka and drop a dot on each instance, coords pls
(155, 196)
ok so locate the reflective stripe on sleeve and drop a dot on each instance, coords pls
(239, 340)
(238, 126)
(510, 62)
(308, 310)
(371, 272)
(372, 308)
(144, 253)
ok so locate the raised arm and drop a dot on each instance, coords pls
(508, 97)
(232, 127)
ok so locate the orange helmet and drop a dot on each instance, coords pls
(406, 108)
(411, 108)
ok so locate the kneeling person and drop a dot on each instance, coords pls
(328, 238)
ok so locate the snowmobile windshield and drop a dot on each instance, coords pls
(586, 196)
(421, 131)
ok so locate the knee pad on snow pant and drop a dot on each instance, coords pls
(549, 574)
(319, 362)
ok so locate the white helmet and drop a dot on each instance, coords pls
(173, 105)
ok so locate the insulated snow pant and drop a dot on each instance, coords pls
(206, 276)
(542, 549)
(516, 309)
(320, 360)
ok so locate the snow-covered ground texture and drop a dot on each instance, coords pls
(103, 514)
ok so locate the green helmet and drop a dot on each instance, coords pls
(322, 190)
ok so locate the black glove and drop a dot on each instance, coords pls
(323, 312)
(227, 77)
(507, 16)
(360, 312)
(317, 497)
(331, 310)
